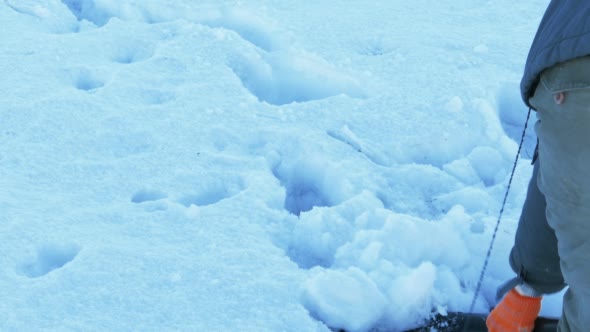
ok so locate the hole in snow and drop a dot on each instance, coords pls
(49, 258)
(87, 10)
(281, 78)
(303, 196)
(307, 185)
(88, 84)
(147, 196)
(156, 97)
(209, 193)
(132, 52)
(84, 79)
(249, 25)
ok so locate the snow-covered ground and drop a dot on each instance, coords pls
(262, 165)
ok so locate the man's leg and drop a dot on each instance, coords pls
(562, 101)
(535, 260)
(534, 256)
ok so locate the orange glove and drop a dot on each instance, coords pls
(515, 313)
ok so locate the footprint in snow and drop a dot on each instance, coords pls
(87, 10)
(276, 74)
(50, 257)
(211, 191)
(83, 78)
(285, 77)
(146, 195)
(250, 26)
(129, 52)
(156, 97)
(309, 183)
(347, 136)
(154, 200)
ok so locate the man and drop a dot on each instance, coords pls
(552, 245)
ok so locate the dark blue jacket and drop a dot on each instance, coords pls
(564, 34)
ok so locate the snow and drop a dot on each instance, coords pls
(344, 299)
(257, 166)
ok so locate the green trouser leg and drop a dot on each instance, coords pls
(534, 255)
(562, 101)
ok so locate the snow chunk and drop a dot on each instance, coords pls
(481, 48)
(454, 105)
(344, 299)
(463, 170)
(407, 241)
(471, 198)
(411, 295)
(488, 163)
(319, 233)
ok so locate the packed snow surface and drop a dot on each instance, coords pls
(257, 165)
